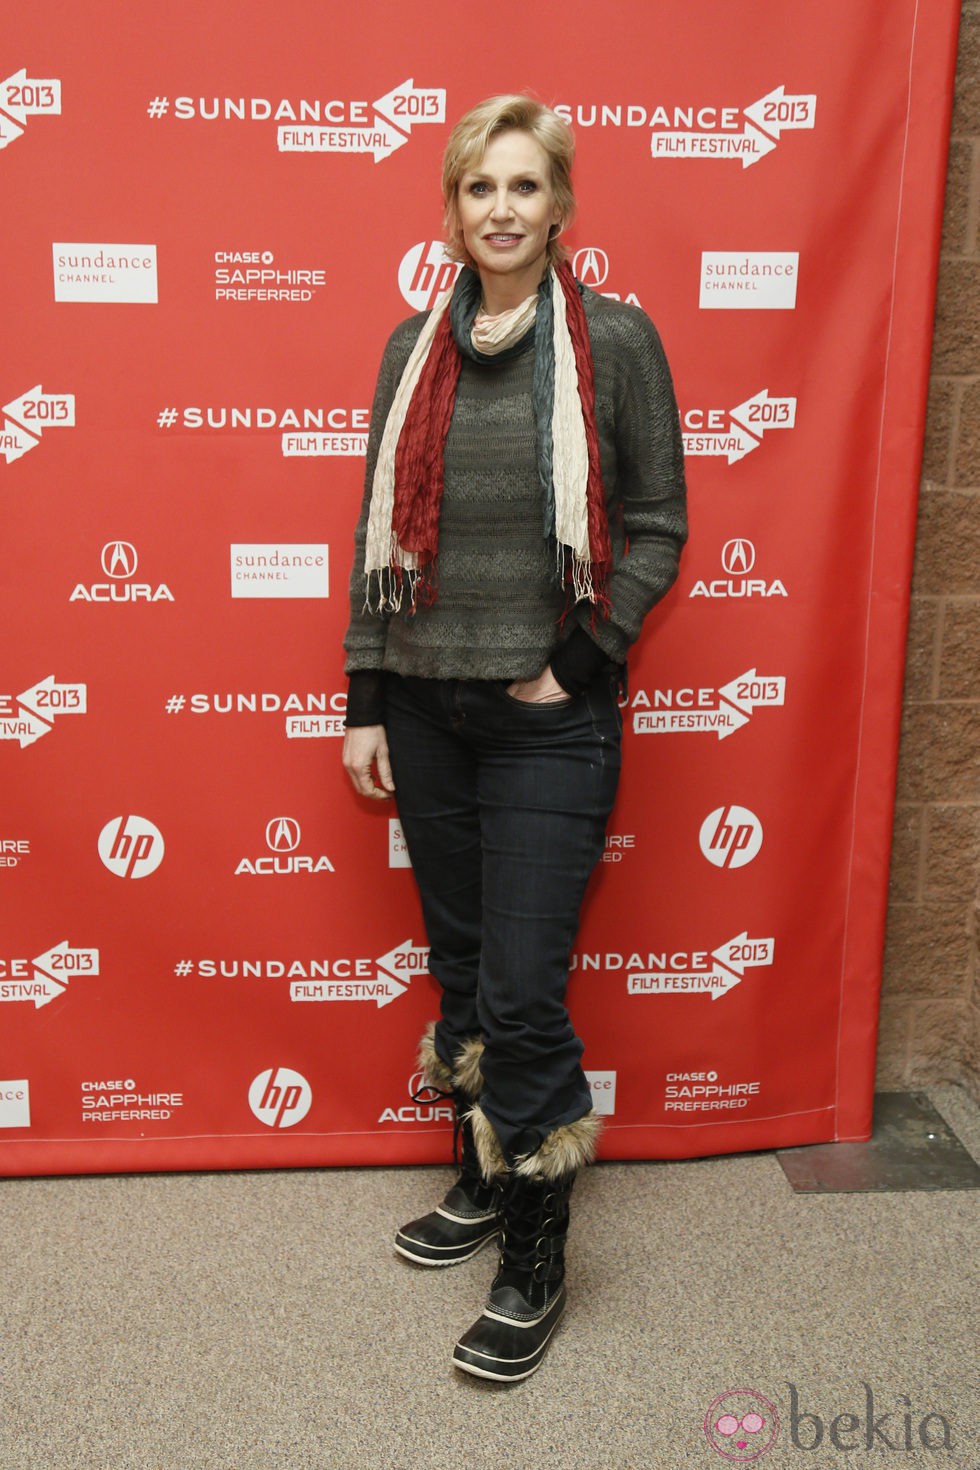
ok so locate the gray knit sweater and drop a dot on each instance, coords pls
(498, 609)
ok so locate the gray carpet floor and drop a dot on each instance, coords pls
(261, 1321)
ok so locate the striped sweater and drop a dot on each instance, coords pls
(498, 613)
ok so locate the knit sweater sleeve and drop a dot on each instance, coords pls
(366, 632)
(637, 409)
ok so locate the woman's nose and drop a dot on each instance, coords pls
(501, 204)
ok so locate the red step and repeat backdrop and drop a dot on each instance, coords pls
(211, 954)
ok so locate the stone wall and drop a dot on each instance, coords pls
(930, 1014)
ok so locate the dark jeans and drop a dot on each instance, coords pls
(504, 807)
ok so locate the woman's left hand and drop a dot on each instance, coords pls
(545, 689)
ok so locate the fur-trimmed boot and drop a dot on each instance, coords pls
(527, 1298)
(468, 1218)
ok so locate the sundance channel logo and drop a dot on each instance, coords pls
(89, 272)
(749, 280)
(15, 1102)
(280, 569)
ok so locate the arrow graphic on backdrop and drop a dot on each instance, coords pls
(40, 410)
(395, 114)
(733, 708)
(731, 960)
(766, 120)
(394, 970)
(38, 707)
(52, 972)
(748, 422)
(22, 97)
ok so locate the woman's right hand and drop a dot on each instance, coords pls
(366, 747)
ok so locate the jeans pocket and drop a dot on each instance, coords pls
(532, 704)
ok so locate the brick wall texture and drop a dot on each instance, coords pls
(930, 1002)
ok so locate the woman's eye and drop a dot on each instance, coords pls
(527, 186)
(478, 188)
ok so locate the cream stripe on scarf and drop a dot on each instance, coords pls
(379, 548)
(570, 451)
(492, 334)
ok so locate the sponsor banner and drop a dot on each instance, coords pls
(119, 563)
(753, 280)
(280, 1097)
(708, 1092)
(732, 433)
(25, 419)
(131, 847)
(280, 569)
(747, 133)
(425, 1105)
(698, 972)
(104, 272)
(317, 124)
(718, 712)
(738, 559)
(283, 836)
(277, 939)
(303, 433)
(46, 977)
(311, 715)
(730, 836)
(379, 981)
(425, 272)
(27, 716)
(127, 1101)
(15, 1102)
(602, 1086)
(256, 275)
(397, 845)
(23, 97)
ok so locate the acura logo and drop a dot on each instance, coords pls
(738, 557)
(591, 265)
(119, 559)
(282, 834)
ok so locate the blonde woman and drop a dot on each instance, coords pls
(524, 509)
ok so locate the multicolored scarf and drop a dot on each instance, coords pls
(403, 522)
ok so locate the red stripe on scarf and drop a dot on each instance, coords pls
(419, 454)
(600, 551)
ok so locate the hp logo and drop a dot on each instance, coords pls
(730, 836)
(280, 1097)
(131, 847)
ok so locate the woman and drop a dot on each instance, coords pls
(522, 434)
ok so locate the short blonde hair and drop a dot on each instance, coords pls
(468, 143)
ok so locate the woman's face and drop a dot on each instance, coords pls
(506, 210)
